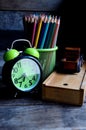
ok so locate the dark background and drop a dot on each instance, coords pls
(72, 28)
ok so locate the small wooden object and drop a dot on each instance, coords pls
(72, 61)
(65, 88)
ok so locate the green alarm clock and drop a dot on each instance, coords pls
(22, 70)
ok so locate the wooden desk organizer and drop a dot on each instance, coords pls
(65, 88)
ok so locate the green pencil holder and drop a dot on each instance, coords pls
(48, 60)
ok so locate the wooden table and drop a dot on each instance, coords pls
(27, 113)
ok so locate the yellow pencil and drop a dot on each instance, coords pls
(38, 30)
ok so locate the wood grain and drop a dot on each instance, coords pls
(65, 88)
(40, 116)
(68, 81)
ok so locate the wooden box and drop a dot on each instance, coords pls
(65, 88)
(72, 60)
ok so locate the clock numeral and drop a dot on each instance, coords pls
(15, 70)
(16, 81)
(31, 81)
(19, 80)
(19, 64)
(13, 75)
(34, 78)
(25, 86)
(20, 83)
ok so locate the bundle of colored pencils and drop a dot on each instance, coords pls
(42, 30)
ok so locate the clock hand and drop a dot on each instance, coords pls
(24, 78)
(20, 77)
(23, 75)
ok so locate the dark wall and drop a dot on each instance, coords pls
(30, 5)
(72, 29)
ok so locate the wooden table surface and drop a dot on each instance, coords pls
(27, 113)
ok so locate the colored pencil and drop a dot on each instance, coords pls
(41, 30)
(34, 31)
(47, 42)
(54, 39)
(38, 31)
(52, 32)
(40, 43)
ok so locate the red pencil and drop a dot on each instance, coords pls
(54, 39)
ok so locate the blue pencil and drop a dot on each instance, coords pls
(42, 33)
(45, 32)
(47, 42)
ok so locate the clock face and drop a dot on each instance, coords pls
(25, 74)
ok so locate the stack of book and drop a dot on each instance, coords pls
(41, 30)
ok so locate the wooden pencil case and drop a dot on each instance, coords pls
(65, 88)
